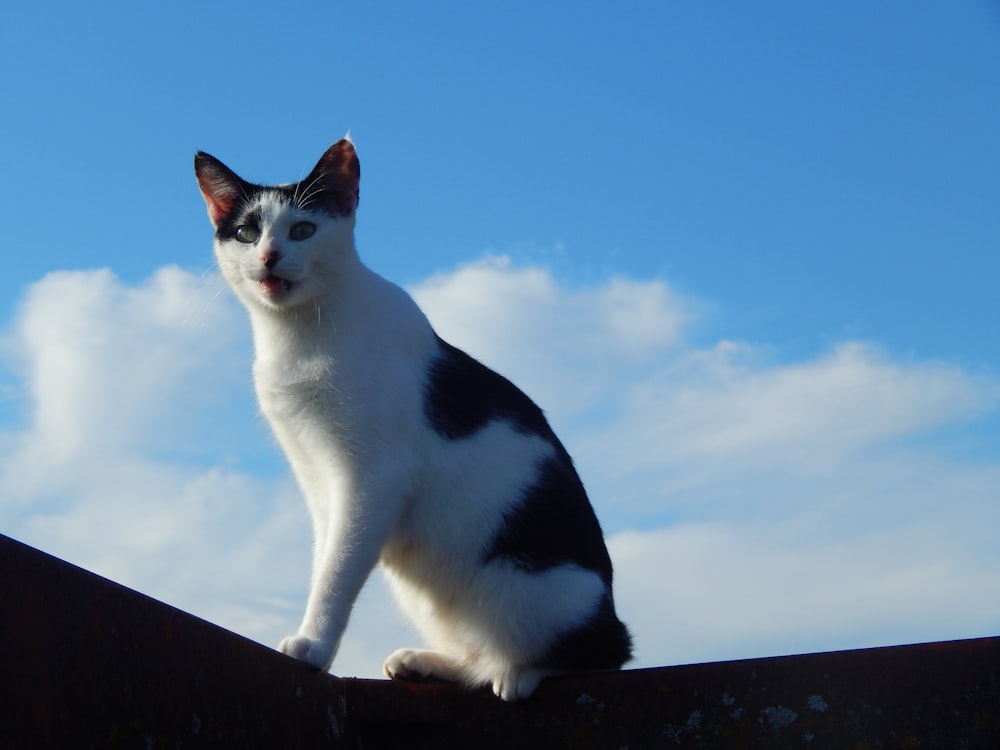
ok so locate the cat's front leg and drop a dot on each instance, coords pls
(341, 570)
(318, 637)
(351, 527)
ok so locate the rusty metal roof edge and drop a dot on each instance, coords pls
(87, 661)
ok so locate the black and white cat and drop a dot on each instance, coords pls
(409, 452)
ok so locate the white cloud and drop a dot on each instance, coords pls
(725, 590)
(717, 422)
(566, 349)
(757, 507)
(111, 368)
(846, 400)
(122, 463)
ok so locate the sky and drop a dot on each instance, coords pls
(744, 255)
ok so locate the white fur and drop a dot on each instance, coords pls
(340, 365)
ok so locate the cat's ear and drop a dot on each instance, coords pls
(220, 186)
(336, 178)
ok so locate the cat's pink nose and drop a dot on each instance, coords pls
(270, 257)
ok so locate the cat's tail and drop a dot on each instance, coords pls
(601, 642)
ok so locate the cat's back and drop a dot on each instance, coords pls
(495, 482)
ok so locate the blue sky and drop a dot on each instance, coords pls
(755, 244)
(814, 172)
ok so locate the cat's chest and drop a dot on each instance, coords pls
(300, 388)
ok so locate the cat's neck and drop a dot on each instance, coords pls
(358, 307)
(316, 323)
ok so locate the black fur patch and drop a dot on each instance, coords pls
(238, 214)
(463, 395)
(603, 642)
(227, 227)
(554, 524)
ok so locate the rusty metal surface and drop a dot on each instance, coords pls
(88, 663)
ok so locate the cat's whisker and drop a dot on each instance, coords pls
(212, 268)
(198, 316)
(314, 188)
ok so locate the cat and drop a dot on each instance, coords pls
(410, 453)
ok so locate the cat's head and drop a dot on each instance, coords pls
(280, 246)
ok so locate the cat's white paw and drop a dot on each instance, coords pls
(421, 664)
(306, 649)
(516, 685)
(407, 664)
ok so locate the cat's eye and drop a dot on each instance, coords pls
(247, 234)
(301, 231)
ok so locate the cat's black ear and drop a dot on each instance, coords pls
(220, 186)
(336, 178)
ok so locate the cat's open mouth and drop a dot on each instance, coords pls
(272, 284)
